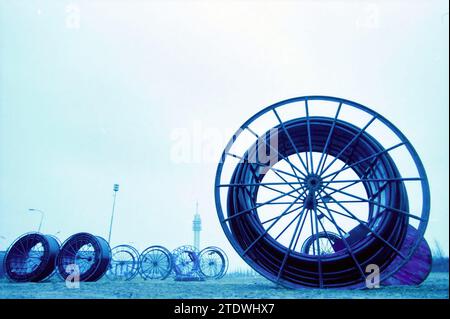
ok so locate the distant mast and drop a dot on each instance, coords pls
(197, 227)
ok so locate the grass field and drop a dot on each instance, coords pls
(436, 286)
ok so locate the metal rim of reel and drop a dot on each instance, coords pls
(56, 238)
(55, 271)
(270, 259)
(89, 253)
(43, 263)
(185, 260)
(150, 268)
(309, 242)
(223, 258)
(129, 251)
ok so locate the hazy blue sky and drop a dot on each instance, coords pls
(94, 92)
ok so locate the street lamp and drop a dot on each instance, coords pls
(115, 189)
(42, 216)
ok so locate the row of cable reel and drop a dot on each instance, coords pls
(185, 263)
(35, 257)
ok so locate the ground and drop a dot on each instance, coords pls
(436, 286)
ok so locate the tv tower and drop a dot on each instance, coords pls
(197, 227)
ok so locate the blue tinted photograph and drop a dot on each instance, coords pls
(240, 150)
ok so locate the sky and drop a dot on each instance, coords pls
(94, 93)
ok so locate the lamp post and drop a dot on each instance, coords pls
(115, 189)
(42, 216)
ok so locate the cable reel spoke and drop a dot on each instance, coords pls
(124, 263)
(155, 262)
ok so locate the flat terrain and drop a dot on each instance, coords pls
(436, 286)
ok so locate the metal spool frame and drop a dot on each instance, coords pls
(124, 263)
(31, 258)
(324, 140)
(90, 253)
(213, 262)
(186, 260)
(55, 270)
(327, 238)
(155, 262)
